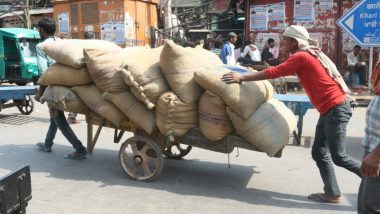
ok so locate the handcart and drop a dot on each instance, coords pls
(18, 96)
(141, 156)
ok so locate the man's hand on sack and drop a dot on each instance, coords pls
(232, 77)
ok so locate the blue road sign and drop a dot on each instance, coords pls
(362, 23)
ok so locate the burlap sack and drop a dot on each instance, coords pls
(214, 122)
(268, 128)
(94, 99)
(70, 51)
(103, 66)
(174, 117)
(59, 74)
(64, 99)
(134, 110)
(143, 74)
(178, 65)
(244, 98)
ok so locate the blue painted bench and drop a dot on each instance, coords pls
(299, 104)
(20, 96)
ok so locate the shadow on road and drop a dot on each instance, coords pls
(19, 119)
(184, 177)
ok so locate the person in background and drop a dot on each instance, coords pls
(357, 65)
(89, 35)
(251, 54)
(270, 54)
(327, 92)
(46, 28)
(72, 117)
(227, 55)
(369, 190)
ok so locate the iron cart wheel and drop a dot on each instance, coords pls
(177, 151)
(141, 158)
(26, 106)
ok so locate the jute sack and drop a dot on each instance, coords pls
(268, 128)
(174, 117)
(178, 65)
(94, 99)
(214, 122)
(64, 99)
(243, 99)
(59, 74)
(104, 68)
(143, 74)
(134, 110)
(70, 51)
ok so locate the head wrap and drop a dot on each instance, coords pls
(300, 34)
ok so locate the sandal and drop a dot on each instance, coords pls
(323, 198)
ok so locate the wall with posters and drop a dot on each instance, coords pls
(124, 22)
(269, 18)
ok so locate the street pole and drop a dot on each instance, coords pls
(168, 16)
(27, 15)
(370, 66)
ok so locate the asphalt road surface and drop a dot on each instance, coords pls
(200, 183)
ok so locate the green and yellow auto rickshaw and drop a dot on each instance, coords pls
(18, 56)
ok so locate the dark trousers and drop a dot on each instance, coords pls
(361, 71)
(369, 196)
(330, 146)
(58, 121)
(246, 61)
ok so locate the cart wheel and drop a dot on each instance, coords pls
(141, 158)
(176, 151)
(26, 106)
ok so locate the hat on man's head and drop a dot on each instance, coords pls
(298, 33)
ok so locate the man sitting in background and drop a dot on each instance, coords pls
(251, 54)
(357, 65)
(270, 54)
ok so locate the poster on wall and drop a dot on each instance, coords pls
(107, 32)
(262, 39)
(129, 29)
(276, 12)
(258, 17)
(323, 5)
(304, 10)
(63, 23)
(119, 28)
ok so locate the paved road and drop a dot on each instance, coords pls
(201, 183)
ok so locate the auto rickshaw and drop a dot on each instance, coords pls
(18, 55)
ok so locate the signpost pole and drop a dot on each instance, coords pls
(370, 66)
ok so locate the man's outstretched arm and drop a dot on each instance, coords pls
(234, 77)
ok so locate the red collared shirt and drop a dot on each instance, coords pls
(324, 93)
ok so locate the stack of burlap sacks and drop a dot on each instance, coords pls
(170, 88)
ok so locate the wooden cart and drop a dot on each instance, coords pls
(141, 156)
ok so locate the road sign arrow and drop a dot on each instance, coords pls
(362, 23)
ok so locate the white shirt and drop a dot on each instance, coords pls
(254, 55)
(231, 58)
(352, 59)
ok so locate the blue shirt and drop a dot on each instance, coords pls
(227, 54)
(43, 60)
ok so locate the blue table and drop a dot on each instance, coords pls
(299, 104)
(20, 96)
(16, 92)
